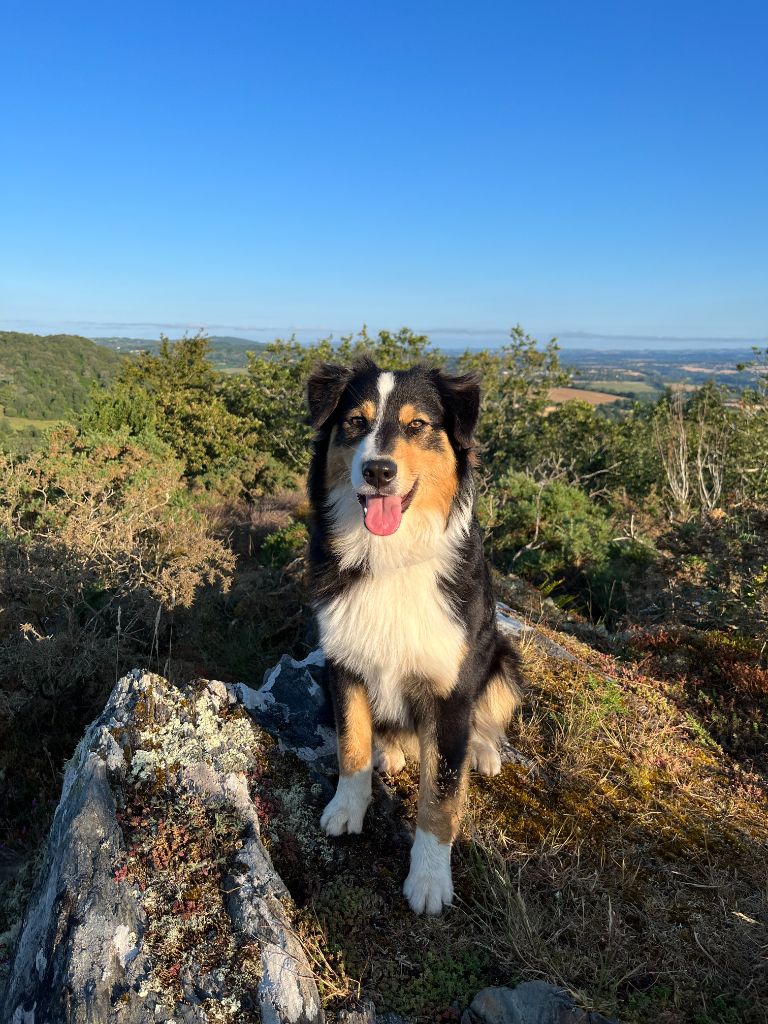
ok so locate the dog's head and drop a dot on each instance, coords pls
(400, 440)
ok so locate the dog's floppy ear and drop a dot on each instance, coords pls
(324, 389)
(460, 395)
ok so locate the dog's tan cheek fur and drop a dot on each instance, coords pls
(355, 742)
(436, 472)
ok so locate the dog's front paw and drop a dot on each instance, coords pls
(485, 757)
(429, 886)
(346, 811)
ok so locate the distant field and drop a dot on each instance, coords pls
(560, 395)
(720, 371)
(20, 422)
(634, 387)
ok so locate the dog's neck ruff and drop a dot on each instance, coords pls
(422, 537)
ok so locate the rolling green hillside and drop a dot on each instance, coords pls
(48, 377)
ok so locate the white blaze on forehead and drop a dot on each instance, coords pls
(367, 450)
(384, 385)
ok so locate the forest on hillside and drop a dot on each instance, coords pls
(163, 522)
(44, 379)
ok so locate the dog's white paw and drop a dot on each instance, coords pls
(389, 758)
(346, 811)
(429, 886)
(484, 756)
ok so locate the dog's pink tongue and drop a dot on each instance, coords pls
(383, 514)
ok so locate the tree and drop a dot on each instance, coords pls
(177, 396)
(392, 351)
(269, 399)
(516, 381)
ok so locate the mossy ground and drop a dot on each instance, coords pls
(626, 860)
(360, 935)
(181, 847)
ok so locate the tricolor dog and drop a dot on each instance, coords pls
(403, 600)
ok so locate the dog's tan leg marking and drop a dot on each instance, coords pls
(493, 714)
(442, 793)
(346, 811)
(356, 736)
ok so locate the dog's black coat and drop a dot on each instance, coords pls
(454, 403)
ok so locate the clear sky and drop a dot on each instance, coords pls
(597, 167)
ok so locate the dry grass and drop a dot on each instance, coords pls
(631, 868)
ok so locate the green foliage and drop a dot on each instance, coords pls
(516, 380)
(398, 350)
(176, 395)
(121, 406)
(545, 527)
(49, 378)
(269, 397)
(285, 544)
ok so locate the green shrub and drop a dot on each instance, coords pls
(284, 545)
(543, 528)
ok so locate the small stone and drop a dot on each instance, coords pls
(532, 1002)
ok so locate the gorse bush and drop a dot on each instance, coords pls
(97, 540)
(544, 527)
(103, 564)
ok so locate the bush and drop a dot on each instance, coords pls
(97, 539)
(544, 528)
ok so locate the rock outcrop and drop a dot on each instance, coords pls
(105, 939)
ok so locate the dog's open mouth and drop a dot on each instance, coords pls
(383, 513)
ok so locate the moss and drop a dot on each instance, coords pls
(181, 847)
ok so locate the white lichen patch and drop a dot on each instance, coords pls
(204, 735)
(124, 942)
(299, 818)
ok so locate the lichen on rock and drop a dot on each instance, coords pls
(155, 872)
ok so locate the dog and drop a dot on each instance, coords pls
(403, 600)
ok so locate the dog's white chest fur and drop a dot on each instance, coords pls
(392, 627)
(394, 624)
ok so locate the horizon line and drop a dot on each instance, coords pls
(325, 331)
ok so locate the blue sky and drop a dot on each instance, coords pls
(595, 167)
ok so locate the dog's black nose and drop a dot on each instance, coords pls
(379, 472)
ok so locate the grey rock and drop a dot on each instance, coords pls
(287, 991)
(364, 1014)
(532, 1002)
(510, 623)
(293, 705)
(80, 955)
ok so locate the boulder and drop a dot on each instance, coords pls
(97, 940)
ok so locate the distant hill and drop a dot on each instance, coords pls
(227, 353)
(48, 377)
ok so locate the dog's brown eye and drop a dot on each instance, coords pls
(417, 424)
(356, 421)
